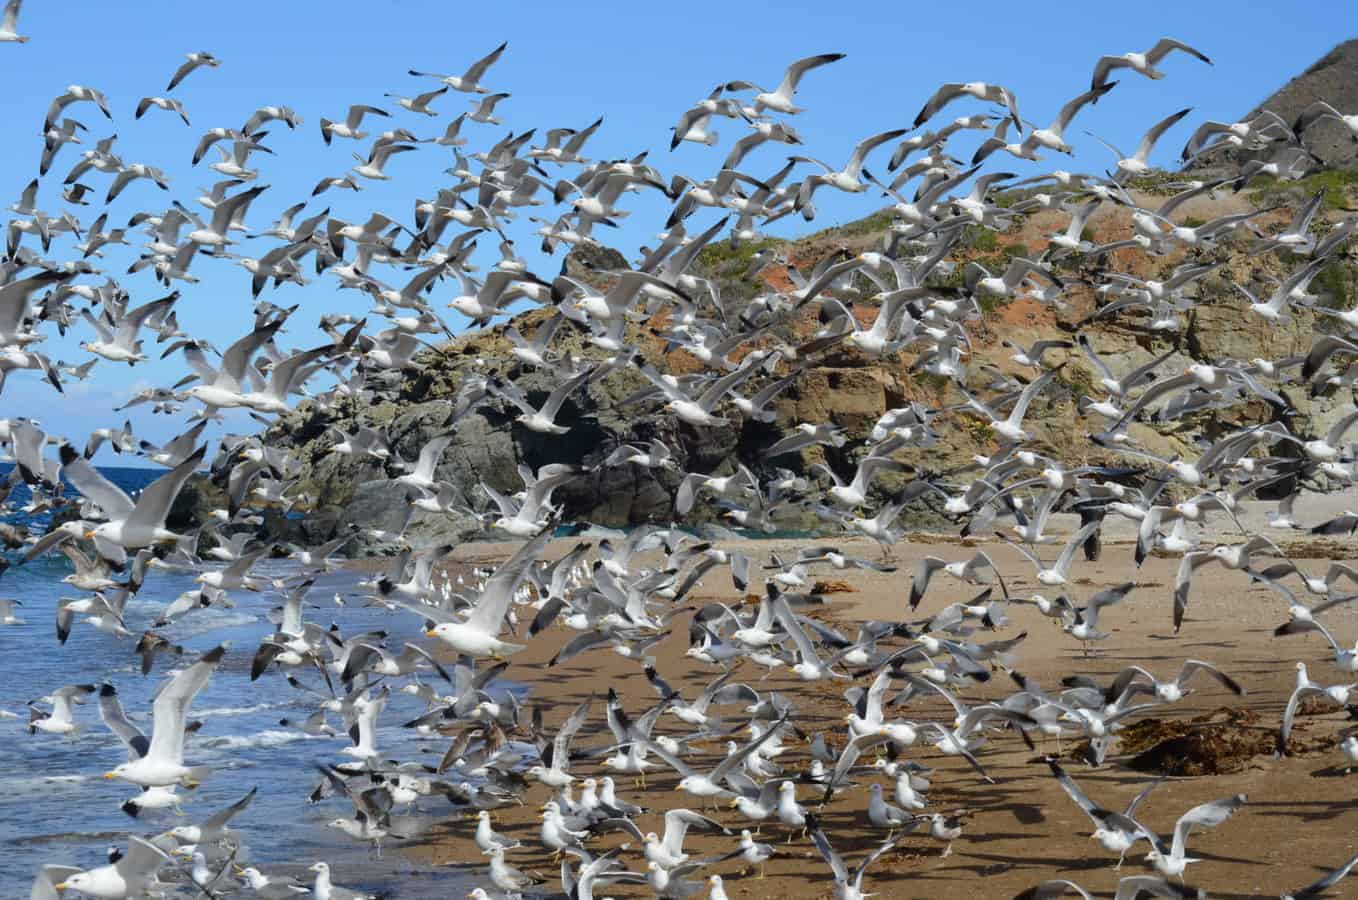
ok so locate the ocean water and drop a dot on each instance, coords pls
(55, 807)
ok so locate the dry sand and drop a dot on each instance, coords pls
(1023, 829)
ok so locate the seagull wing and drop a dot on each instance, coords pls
(141, 859)
(1192, 667)
(218, 820)
(1076, 541)
(730, 762)
(1056, 887)
(110, 498)
(827, 852)
(1091, 809)
(489, 613)
(1206, 815)
(1143, 150)
(561, 744)
(1068, 111)
(153, 503)
(171, 706)
(677, 824)
(805, 648)
(788, 86)
(47, 879)
(870, 859)
(1165, 45)
(478, 68)
(1318, 887)
(941, 98)
(1026, 398)
(557, 398)
(111, 711)
(860, 153)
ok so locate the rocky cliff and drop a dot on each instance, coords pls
(839, 386)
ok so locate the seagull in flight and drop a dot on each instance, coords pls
(469, 82)
(780, 99)
(1142, 63)
(9, 24)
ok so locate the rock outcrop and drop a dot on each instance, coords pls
(1334, 79)
(840, 386)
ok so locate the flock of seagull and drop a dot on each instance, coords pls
(918, 305)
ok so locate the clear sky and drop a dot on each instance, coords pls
(637, 65)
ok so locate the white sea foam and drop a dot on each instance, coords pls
(232, 710)
(266, 738)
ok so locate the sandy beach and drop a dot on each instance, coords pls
(1023, 829)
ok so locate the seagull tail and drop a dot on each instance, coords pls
(195, 776)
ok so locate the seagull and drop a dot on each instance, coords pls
(780, 99)
(542, 419)
(213, 829)
(130, 525)
(470, 81)
(708, 785)
(979, 569)
(848, 885)
(169, 104)
(1169, 860)
(484, 110)
(478, 634)
(1235, 557)
(192, 62)
(1338, 694)
(1139, 162)
(349, 128)
(74, 94)
(128, 876)
(1142, 63)
(992, 93)
(9, 24)
(61, 720)
(1010, 428)
(419, 103)
(1115, 832)
(1055, 574)
(1316, 112)
(847, 179)
(163, 763)
(1128, 682)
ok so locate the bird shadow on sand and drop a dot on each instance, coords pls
(1032, 861)
(1305, 810)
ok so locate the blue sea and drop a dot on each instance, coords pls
(55, 807)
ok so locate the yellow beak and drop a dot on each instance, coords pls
(431, 633)
(110, 776)
(89, 535)
(60, 887)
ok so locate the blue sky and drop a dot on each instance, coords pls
(638, 65)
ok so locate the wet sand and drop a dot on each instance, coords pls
(1023, 829)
